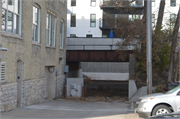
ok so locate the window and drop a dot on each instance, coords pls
(11, 16)
(153, 3)
(173, 3)
(62, 34)
(62, 1)
(172, 20)
(132, 17)
(104, 36)
(50, 29)
(3, 71)
(132, 2)
(36, 24)
(73, 2)
(93, 20)
(89, 36)
(73, 35)
(153, 20)
(73, 20)
(93, 3)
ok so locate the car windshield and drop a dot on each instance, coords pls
(173, 85)
(173, 90)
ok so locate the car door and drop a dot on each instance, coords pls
(178, 101)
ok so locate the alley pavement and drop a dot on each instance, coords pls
(72, 109)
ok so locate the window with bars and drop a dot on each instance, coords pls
(11, 16)
(73, 20)
(93, 3)
(73, 2)
(173, 3)
(3, 71)
(93, 20)
(50, 29)
(36, 24)
(62, 34)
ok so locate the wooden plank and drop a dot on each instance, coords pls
(65, 92)
(83, 92)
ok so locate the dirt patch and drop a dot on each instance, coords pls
(97, 98)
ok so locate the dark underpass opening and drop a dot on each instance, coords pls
(109, 89)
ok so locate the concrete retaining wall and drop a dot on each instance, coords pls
(108, 67)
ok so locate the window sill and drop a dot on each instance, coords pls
(47, 46)
(11, 35)
(61, 49)
(36, 43)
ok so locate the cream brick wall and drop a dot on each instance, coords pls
(35, 56)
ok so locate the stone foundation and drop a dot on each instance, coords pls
(8, 97)
(33, 92)
(60, 85)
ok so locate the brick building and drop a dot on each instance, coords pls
(32, 68)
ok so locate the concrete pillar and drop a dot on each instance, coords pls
(132, 84)
(132, 63)
(132, 88)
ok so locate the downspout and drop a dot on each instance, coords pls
(56, 86)
(57, 74)
(23, 84)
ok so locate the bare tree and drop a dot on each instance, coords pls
(173, 47)
(160, 15)
(133, 33)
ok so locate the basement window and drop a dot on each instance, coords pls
(73, 35)
(89, 36)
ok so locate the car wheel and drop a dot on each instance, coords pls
(161, 109)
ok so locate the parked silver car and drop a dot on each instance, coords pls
(166, 116)
(159, 103)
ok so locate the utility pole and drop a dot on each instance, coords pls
(149, 47)
(179, 49)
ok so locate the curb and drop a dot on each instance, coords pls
(131, 108)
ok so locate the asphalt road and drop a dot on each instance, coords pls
(63, 109)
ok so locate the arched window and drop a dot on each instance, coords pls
(11, 16)
(36, 23)
(62, 33)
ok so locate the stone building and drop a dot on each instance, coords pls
(32, 69)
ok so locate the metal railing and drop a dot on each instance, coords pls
(121, 3)
(103, 23)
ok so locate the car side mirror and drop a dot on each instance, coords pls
(178, 94)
